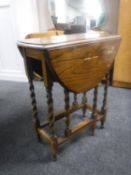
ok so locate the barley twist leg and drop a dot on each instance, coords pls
(104, 105)
(36, 121)
(51, 119)
(75, 103)
(67, 107)
(84, 102)
(94, 115)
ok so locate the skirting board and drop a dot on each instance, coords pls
(121, 84)
(13, 76)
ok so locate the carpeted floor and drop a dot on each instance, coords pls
(107, 153)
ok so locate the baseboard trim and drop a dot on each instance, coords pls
(121, 84)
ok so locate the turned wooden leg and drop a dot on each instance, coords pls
(75, 103)
(84, 102)
(104, 105)
(67, 107)
(29, 72)
(94, 115)
(51, 120)
(36, 121)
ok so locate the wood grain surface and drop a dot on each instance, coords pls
(78, 62)
(49, 33)
(82, 68)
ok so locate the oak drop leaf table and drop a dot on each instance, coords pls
(78, 63)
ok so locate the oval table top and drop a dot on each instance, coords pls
(78, 62)
(59, 41)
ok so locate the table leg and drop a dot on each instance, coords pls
(54, 148)
(34, 108)
(94, 115)
(29, 72)
(67, 107)
(84, 102)
(104, 105)
(75, 102)
(51, 119)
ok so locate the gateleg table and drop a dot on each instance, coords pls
(78, 63)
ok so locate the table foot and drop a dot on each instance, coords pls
(54, 148)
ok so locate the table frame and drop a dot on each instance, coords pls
(51, 137)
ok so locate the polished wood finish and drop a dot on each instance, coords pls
(46, 34)
(79, 63)
(38, 55)
(122, 68)
(74, 67)
(65, 41)
(68, 53)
